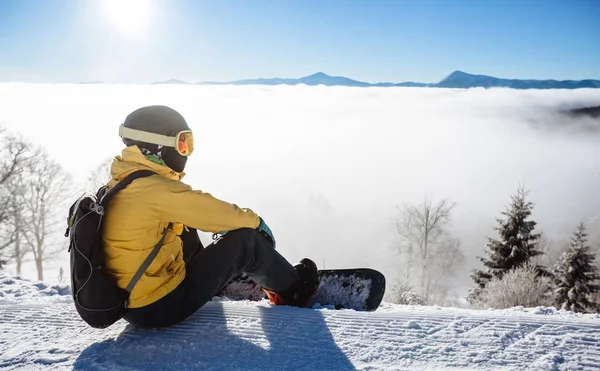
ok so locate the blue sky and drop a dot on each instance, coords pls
(393, 40)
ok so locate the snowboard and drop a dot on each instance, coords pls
(361, 289)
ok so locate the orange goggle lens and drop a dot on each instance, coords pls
(185, 143)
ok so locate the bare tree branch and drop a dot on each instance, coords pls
(14, 156)
(429, 251)
(100, 176)
(46, 187)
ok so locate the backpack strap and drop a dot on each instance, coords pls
(150, 258)
(124, 183)
(102, 197)
(148, 261)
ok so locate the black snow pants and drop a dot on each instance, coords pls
(210, 268)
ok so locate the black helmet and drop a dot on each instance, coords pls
(161, 120)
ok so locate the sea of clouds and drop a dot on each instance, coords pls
(327, 166)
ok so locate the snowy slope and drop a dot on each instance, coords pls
(40, 330)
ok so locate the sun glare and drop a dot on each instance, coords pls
(129, 18)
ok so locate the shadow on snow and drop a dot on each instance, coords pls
(280, 338)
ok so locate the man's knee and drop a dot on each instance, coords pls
(247, 237)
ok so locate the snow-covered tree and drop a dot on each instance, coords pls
(13, 157)
(576, 275)
(596, 295)
(47, 189)
(404, 294)
(99, 176)
(521, 286)
(16, 222)
(410, 298)
(517, 243)
(430, 255)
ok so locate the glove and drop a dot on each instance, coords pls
(265, 231)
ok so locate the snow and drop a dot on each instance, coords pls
(16, 289)
(40, 330)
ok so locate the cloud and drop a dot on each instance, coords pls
(326, 166)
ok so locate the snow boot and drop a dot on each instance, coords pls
(299, 294)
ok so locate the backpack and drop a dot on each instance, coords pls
(98, 299)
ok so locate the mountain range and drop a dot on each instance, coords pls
(318, 78)
(456, 79)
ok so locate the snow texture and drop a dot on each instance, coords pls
(15, 289)
(40, 330)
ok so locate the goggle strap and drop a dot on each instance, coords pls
(144, 136)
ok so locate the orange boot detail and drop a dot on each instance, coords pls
(274, 297)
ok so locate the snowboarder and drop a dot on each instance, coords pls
(185, 275)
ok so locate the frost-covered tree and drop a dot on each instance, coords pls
(576, 276)
(47, 189)
(596, 295)
(403, 294)
(99, 176)
(16, 221)
(13, 157)
(430, 255)
(521, 286)
(517, 243)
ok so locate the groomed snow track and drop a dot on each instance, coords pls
(227, 335)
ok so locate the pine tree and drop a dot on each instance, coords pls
(516, 245)
(575, 275)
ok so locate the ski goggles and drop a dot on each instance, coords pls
(183, 142)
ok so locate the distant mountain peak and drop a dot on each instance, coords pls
(319, 74)
(460, 73)
(463, 80)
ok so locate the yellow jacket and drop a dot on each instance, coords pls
(137, 216)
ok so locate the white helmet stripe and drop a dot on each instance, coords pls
(144, 136)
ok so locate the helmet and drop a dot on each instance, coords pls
(161, 131)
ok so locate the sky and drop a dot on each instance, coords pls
(327, 167)
(144, 41)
